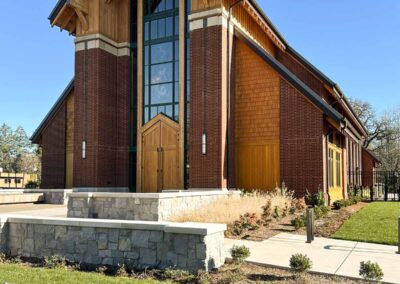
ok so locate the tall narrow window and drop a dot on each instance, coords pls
(161, 59)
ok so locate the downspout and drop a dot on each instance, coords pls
(228, 89)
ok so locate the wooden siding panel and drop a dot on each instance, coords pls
(257, 120)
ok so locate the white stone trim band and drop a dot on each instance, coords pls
(168, 227)
(102, 42)
(162, 195)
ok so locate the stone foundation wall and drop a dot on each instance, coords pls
(138, 245)
(141, 206)
(53, 196)
(48, 196)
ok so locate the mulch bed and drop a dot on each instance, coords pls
(249, 273)
(324, 227)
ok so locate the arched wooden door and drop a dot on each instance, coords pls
(160, 155)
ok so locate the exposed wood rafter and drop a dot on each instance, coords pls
(82, 18)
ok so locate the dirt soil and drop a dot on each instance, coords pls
(325, 227)
(328, 225)
(249, 273)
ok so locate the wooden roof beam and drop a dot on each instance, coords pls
(264, 26)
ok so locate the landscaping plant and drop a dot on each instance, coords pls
(371, 271)
(240, 253)
(300, 263)
(54, 261)
(298, 223)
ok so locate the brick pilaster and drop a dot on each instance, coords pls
(101, 117)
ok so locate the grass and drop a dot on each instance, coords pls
(376, 223)
(230, 210)
(16, 273)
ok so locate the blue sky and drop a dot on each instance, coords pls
(355, 42)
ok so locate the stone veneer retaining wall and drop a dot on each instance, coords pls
(48, 196)
(142, 206)
(136, 244)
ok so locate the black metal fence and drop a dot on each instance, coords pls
(376, 185)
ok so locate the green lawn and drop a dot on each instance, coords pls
(376, 223)
(14, 274)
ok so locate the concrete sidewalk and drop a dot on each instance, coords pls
(329, 256)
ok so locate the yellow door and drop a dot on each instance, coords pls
(160, 155)
(335, 176)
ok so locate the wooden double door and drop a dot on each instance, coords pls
(160, 155)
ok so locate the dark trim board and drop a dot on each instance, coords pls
(291, 78)
(56, 10)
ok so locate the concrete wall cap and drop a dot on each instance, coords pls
(168, 227)
(162, 195)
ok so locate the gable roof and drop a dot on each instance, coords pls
(325, 79)
(291, 78)
(372, 154)
(56, 10)
(35, 136)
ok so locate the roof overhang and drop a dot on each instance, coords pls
(328, 110)
(333, 88)
(35, 138)
(67, 13)
(255, 11)
(372, 155)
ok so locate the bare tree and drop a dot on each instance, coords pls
(383, 133)
(375, 126)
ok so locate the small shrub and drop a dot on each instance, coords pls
(178, 275)
(232, 276)
(16, 260)
(121, 270)
(54, 261)
(277, 215)
(339, 204)
(31, 184)
(297, 205)
(285, 210)
(250, 221)
(267, 210)
(203, 277)
(235, 229)
(315, 199)
(371, 271)
(3, 258)
(240, 253)
(101, 269)
(298, 223)
(300, 263)
(321, 211)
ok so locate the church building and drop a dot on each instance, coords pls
(193, 94)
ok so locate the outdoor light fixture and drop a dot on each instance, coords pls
(83, 149)
(204, 143)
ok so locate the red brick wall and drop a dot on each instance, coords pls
(206, 171)
(301, 72)
(301, 142)
(367, 169)
(53, 155)
(102, 119)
